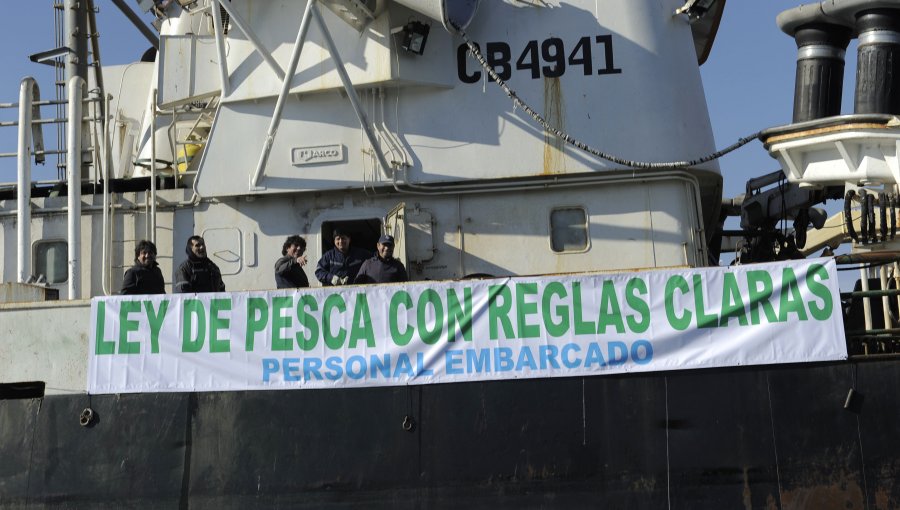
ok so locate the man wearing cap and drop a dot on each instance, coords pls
(340, 264)
(383, 267)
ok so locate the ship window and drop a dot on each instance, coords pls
(568, 229)
(51, 260)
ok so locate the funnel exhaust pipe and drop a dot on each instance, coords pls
(822, 32)
(820, 70)
(878, 62)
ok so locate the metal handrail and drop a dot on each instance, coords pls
(870, 293)
(39, 153)
(874, 342)
(8, 123)
(48, 102)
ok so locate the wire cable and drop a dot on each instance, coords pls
(518, 102)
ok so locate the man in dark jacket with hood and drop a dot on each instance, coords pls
(198, 273)
(144, 277)
(383, 267)
(289, 272)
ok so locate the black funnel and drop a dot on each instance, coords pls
(820, 70)
(878, 62)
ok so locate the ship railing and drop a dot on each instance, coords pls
(872, 309)
(31, 144)
(37, 150)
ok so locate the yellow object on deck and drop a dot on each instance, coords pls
(186, 155)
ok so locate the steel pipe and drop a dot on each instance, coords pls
(27, 90)
(282, 96)
(351, 94)
(76, 86)
(220, 47)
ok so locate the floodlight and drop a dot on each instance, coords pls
(413, 36)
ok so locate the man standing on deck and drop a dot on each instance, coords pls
(198, 273)
(289, 272)
(383, 267)
(144, 277)
(340, 264)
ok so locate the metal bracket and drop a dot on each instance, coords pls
(51, 57)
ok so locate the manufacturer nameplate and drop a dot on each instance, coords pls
(302, 156)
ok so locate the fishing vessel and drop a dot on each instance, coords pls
(567, 338)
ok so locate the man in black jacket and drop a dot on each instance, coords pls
(339, 265)
(383, 267)
(289, 272)
(144, 277)
(198, 273)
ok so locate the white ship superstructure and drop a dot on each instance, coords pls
(423, 145)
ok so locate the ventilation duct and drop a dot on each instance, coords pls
(453, 14)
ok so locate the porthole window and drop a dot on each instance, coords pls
(568, 230)
(51, 260)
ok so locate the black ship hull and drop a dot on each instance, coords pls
(763, 437)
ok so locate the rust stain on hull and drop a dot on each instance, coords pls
(843, 493)
(554, 112)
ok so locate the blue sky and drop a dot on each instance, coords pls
(748, 78)
(749, 84)
(26, 29)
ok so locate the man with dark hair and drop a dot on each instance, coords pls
(383, 267)
(340, 264)
(144, 277)
(198, 273)
(289, 272)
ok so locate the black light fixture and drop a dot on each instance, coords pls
(413, 37)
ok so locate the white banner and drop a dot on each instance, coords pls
(424, 333)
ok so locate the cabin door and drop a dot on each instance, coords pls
(395, 225)
(413, 231)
